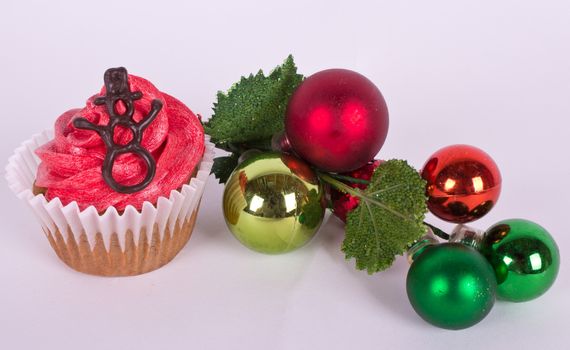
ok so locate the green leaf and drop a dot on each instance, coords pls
(312, 211)
(389, 217)
(224, 166)
(254, 108)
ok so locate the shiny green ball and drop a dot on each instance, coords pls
(525, 258)
(273, 203)
(451, 286)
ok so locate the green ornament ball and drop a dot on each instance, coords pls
(273, 203)
(524, 256)
(451, 286)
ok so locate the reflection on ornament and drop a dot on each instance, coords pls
(464, 183)
(451, 285)
(273, 203)
(525, 258)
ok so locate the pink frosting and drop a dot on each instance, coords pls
(70, 167)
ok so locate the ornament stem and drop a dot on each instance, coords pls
(341, 186)
(438, 232)
(416, 248)
(350, 179)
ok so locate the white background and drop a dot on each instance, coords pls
(495, 74)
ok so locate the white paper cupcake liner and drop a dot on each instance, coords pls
(168, 215)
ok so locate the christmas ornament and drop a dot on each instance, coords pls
(524, 256)
(273, 203)
(280, 143)
(336, 120)
(451, 285)
(464, 183)
(341, 202)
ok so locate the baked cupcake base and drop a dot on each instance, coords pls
(111, 244)
(152, 250)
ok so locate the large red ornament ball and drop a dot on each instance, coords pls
(337, 120)
(463, 183)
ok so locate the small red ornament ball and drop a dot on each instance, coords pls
(463, 183)
(337, 120)
(342, 203)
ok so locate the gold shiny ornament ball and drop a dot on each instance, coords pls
(273, 203)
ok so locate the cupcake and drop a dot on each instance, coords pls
(117, 185)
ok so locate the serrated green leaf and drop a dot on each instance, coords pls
(224, 166)
(254, 108)
(312, 212)
(389, 217)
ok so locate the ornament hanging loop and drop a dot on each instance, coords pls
(418, 246)
(467, 235)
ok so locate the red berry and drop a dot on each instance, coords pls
(342, 203)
